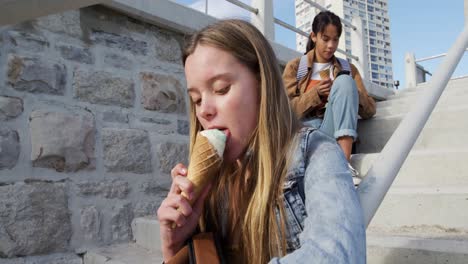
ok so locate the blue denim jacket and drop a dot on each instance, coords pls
(328, 227)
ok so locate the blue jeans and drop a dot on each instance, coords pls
(341, 113)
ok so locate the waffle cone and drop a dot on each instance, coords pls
(325, 74)
(204, 164)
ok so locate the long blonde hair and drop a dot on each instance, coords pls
(255, 192)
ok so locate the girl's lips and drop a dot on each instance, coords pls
(227, 133)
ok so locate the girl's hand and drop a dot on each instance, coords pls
(177, 218)
(323, 87)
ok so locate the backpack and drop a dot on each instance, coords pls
(303, 69)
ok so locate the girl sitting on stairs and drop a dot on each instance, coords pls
(327, 92)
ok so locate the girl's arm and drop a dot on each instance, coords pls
(304, 102)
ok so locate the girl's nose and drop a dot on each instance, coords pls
(207, 109)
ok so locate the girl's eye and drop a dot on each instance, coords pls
(196, 101)
(223, 90)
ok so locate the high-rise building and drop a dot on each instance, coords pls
(374, 15)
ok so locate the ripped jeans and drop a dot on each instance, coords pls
(341, 113)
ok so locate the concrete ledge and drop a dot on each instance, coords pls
(146, 233)
(16, 11)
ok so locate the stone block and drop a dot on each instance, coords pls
(183, 127)
(63, 23)
(103, 88)
(107, 189)
(90, 222)
(22, 40)
(115, 117)
(10, 107)
(126, 150)
(9, 148)
(168, 48)
(62, 141)
(158, 121)
(118, 61)
(36, 76)
(157, 187)
(120, 222)
(34, 218)
(170, 154)
(148, 208)
(122, 42)
(162, 93)
(77, 54)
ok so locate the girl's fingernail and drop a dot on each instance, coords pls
(183, 171)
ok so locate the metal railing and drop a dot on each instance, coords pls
(415, 73)
(268, 28)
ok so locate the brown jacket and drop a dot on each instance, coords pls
(305, 103)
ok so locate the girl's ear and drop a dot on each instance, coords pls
(313, 37)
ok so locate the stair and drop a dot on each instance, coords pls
(423, 218)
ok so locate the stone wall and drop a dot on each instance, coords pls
(92, 119)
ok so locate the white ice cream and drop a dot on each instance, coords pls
(216, 138)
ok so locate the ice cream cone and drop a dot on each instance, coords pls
(325, 74)
(205, 160)
(204, 164)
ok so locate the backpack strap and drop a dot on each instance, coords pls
(345, 66)
(301, 72)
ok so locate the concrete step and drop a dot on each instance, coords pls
(122, 254)
(415, 250)
(146, 233)
(452, 84)
(448, 97)
(424, 168)
(446, 129)
(432, 212)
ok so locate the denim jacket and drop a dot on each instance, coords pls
(328, 227)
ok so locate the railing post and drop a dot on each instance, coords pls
(358, 47)
(410, 70)
(264, 20)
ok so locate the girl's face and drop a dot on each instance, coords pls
(326, 43)
(225, 95)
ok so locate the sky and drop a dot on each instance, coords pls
(423, 27)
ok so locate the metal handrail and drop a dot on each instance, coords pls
(293, 28)
(380, 176)
(433, 57)
(244, 6)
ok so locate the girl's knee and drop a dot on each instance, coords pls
(344, 84)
